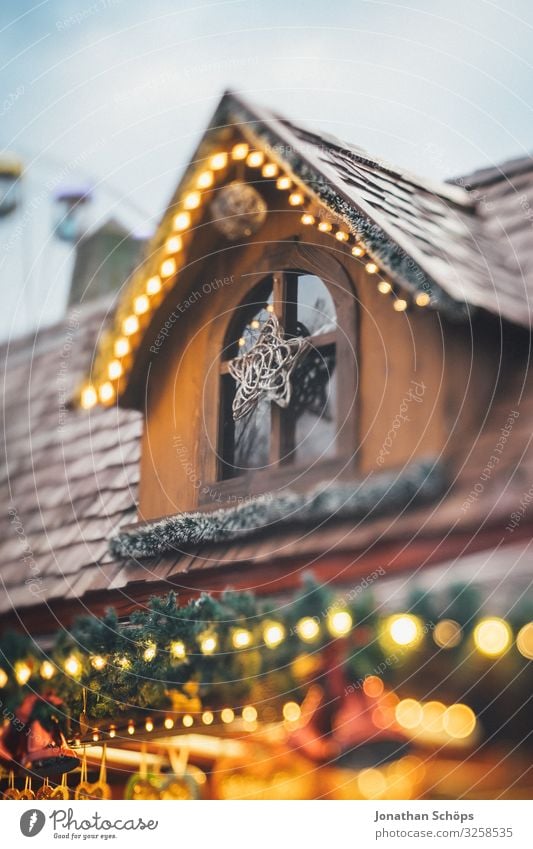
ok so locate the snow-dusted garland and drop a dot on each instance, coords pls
(373, 496)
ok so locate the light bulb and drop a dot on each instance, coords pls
(371, 268)
(296, 198)
(207, 717)
(187, 720)
(121, 347)
(307, 629)
(130, 325)
(169, 723)
(255, 159)
(106, 393)
(357, 250)
(218, 161)
(283, 183)
(400, 305)
(239, 151)
(98, 662)
(150, 652)
(141, 304)
(270, 169)
(273, 634)
(173, 245)
(205, 180)
(168, 267)
(422, 299)
(291, 711)
(153, 285)
(325, 226)
(88, 397)
(341, 236)
(192, 200)
(241, 638)
(22, 672)
(249, 713)
(208, 643)
(73, 666)
(3, 678)
(227, 715)
(492, 636)
(181, 221)
(404, 630)
(524, 641)
(114, 369)
(339, 623)
(149, 725)
(177, 650)
(384, 287)
(307, 218)
(447, 634)
(459, 721)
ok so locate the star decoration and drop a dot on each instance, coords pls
(265, 370)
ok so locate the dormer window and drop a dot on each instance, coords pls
(275, 433)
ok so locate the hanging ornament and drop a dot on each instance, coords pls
(238, 210)
(97, 790)
(11, 792)
(27, 793)
(46, 791)
(265, 370)
(61, 791)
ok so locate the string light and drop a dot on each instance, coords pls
(291, 711)
(283, 183)
(208, 643)
(249, 713)
(169, 723)
(371, 268)
(524, 641)
(106, 393)
(192, 200)
(400, 305)
(239, 151)
(255, 159)
(141, 304)
(187, 720)
(373, 686)
(404, 630)
(432, 721)
(181, 221)
(121, 346)
(98, 662)
(273, 634)
(358, 251)
(177, 650)
(131, 728)
(492, 636)
(341, 236)
(124, 662)
(447, 634)
(112, 731)
(307, 218)
(408, 713)
(422, 299)
(88, 397)
(459, 721)
(130, 325)
(150, 652)
(296, 199)
(3, 678)
(307, 629)
(96, 736)
(325, 226)
(270, 169)
(218, 161)
(205, 180)
(241, 638)
(207, 717)
(270, 307)
(72, 666)
(149, 725)
(168, 267)
(114, 369)
(339, 623)
(22, 672)
(384, 287)
(227, 715)
(173, 244)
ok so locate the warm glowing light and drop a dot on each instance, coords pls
(249, 713)
(308, 629)
(291, 711)
(150, 652)
(307, 218)
(98, 662)
(255, 159)
(242, 342)
(173, 245)
(239, 151)
(373, 686)
(218, 161)
(88, 397)
(181, 221)
(114, 369)
(422, 299)
(524, 641)
(208, 643)
(400, 305)
(168, 267)
(47, 670)
(72, 666)
(106, 393)
(192, 200)
(205, 180)
(270, 169)
(325, 226)
(130, 325)
(371, 268)
(384, 287)
(296, 198)
(187, 720)
(358, 251)
(3, 678)
(227, 715)
(131, 728)
(404, 629)
(153, 285)
(432, 717)
(22, 672)
(241, 638)
(149, 725)
(255, 324)
(121, 347)
(112, 731)
(447, 634)
(273, 634)
(169, 723)
(270, 307)
(283, 183)
(96, 736)
(124, 662)
(372, 783)
(177, 650)
(408, 713)
(339, 623)
(141, 304)
(341, 236)
(207, 717)
(492, 636)
(459, 721)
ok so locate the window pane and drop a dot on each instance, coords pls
(252, 439)
(316, 310)
(314, 405)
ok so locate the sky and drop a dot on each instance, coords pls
(116, 93)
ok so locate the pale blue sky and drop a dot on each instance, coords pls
(120, 90)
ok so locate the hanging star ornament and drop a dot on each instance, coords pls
(265, 370)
